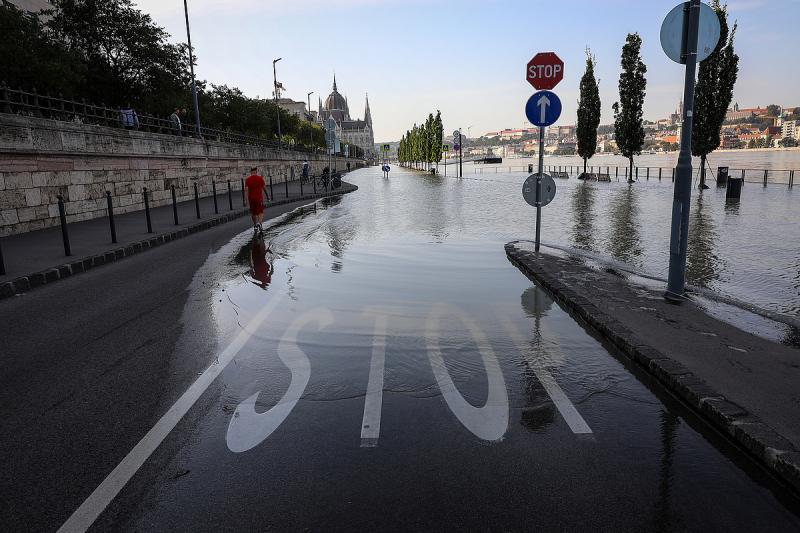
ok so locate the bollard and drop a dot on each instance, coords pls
(286, 185)
(271, 192)
(314, 182)
(230, 196)
(174, 205)
(111, 217)
(791, 179)
(301, 185)
(616, 173)
(62, 214)
(196, 200)
(147, 211)
(766, 173)
(647, 178)
(2, 263)
(244, 203)
(214, 192)
(659, 173)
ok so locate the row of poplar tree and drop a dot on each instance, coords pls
(421, 146)
(713, 94)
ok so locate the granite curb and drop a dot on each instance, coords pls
(755, 437)
(24, 284)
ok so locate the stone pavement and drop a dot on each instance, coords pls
(35, 258)
(744, 385)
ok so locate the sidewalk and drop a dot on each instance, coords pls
(742, 384)
(35, 258)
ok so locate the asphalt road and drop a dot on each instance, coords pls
(375, 367)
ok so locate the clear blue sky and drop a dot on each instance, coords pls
(466, 58)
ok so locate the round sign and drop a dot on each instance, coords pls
(456, 134)
(543, 108)
(672, 33)
(548, 190)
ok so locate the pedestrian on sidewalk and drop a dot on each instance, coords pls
(129, 118)
(304, 172)
(175, 121)
(256, 192)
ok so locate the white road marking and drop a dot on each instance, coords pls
(247, 428)
(371, 424)
(571, 415)
(489, 422)
(104, 494)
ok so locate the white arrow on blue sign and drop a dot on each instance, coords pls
(543, 109)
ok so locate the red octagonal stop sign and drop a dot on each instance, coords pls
(545, 70)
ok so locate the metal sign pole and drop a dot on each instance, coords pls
(676, 282)
(460, 151)
(539, 187)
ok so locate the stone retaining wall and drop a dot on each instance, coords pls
(41, 158)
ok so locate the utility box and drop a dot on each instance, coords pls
(722, 176)
(734, 191)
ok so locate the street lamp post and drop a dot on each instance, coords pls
(278, 107)
(191, 69)
(311, 129)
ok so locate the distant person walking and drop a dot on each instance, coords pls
(348, 166)
(175, 121)
(304, 172)
(256, 191)
(129, 118)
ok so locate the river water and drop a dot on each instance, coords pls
(747, 250)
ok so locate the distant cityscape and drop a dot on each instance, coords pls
(744, 128)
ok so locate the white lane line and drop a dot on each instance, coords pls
(571, 415)
(247, 428)
(105, 493)
(489, 422)
(371, 424)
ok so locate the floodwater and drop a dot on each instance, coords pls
(382, 366)
(743, 250)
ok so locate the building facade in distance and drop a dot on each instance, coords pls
(349, 130)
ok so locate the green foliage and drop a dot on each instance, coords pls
(628, 110)
(422, 145)
(714, 90)
(773, 110)
(588, 111)
(438, 137)
(788, 142)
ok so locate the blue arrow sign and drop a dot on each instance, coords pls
(543, 109)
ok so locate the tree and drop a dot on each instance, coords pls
(714, 91)
(438, 138)
(628, 111)
(588, 112)
(773, 110)
(429, 137)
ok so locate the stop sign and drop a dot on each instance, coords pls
(545, 70)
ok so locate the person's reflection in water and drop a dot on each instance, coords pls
(702, 264)
(624, 241)
(260, 268)
(582, 207)
(540, 412)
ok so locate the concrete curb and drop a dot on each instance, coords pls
(24, 284)
(759, 440)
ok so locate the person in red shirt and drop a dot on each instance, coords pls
(256, 189)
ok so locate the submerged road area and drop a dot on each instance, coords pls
(372, 362)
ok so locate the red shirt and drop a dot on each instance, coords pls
(255, 187)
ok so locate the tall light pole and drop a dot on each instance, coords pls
(278, 107)
(311, 129)
(191, 69)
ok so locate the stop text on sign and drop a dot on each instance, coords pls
(545, 70)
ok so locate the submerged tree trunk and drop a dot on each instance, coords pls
(702, 184)
(630, 176)
(584, 167)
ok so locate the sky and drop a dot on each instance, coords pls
(466, 58)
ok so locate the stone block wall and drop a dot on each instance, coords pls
(41, 159)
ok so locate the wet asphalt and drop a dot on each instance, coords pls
(377, 364)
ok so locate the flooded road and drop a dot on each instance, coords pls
(380, 365)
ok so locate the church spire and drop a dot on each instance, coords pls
(334, 82)
(367, 114)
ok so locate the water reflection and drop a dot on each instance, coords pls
(702, 263)
(540, 411)
(624, 241)
(339, 232)
(582, 207)
(663, 518)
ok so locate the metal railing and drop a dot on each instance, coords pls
(617, 173)
(20, 102)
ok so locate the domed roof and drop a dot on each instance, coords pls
(336, 100)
